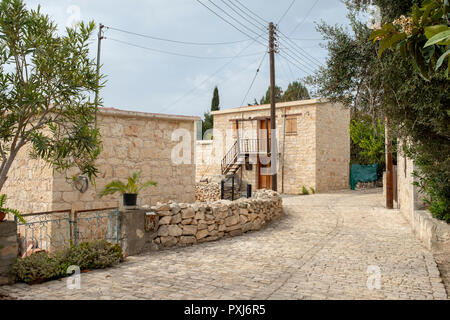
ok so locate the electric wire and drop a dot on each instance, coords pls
(231, 24)
(177, 41)
(306, 17)
(176, 54)
(264, 28)
(254, 78)
(263, 25)
(265, 21)
(286, 12)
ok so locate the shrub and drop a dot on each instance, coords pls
(304, 191)
(88, 255)
(313, 191)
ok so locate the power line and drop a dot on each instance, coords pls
(294, 64)
(254, 78)
(246, 19)
(174, 53)
(168, 106)
(264, 25)
(265, 21)
(300, 50)
(218, 15)
(177, 41)
(287, 10)
(304, 19)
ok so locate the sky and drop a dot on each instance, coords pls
(139, 79)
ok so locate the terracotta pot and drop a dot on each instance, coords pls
(2, 216)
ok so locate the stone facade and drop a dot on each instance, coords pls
(8, 250)
(182, 224)
(316, 155)
(434, 234)
(132, 141)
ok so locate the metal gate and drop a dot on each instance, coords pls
(50, 231)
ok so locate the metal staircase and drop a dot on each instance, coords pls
(235, 157)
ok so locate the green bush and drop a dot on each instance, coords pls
(313, 191)
(88, 255)
(305, 191)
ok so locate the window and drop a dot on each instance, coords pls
(291, 125)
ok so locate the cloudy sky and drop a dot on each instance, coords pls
(144, 80)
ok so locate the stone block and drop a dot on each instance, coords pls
(188, 213)
(201, 234)
(189, 230)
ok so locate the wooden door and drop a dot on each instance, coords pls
(264, 181)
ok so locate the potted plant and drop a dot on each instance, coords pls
(4, 210)
(129, 191)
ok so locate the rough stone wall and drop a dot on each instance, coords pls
(134, 144)
(29, 185)
(333, 147)
(182, 224)
(207, 192)
(433, 233)
(8, 250)
(206, 167)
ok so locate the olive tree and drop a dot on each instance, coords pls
(47, 82)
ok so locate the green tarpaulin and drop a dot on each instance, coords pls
(359, 173)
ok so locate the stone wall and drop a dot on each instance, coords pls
(182, 224)
(185, 224)
(207, 192)
(8, 250)
(433, 233)
(25, 177)
(333, 148)
(206, 164)
(132, 141)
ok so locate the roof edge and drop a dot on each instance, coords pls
(267, 106)
(137, 114)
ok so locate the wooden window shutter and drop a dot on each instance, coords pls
(291, 125)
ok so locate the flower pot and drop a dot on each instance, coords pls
(2, 216)
(129, 199)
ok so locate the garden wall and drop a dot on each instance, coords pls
(181, 224)
(8, 250)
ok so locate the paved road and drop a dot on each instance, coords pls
(328, 246)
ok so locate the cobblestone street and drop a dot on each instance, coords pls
(321, 249)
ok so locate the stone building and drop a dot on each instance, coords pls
(132, 141)
(313, 146)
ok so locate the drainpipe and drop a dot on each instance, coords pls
(284, 146)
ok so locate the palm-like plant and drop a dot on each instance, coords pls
(132, 186)
(9, 210)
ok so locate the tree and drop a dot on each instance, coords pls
(417, 109)
(208, 121)
(278, 95)
(423, 36)
(294, 92)
(46, 83)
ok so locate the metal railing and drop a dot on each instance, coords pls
(53, 230)
(242, 147)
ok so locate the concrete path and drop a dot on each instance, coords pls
(329, 246)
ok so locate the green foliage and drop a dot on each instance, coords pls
(391, 86)
(294, 92)
(132, 186)
(313, 191)
(423, 36)
(208, 121)
(9, 210)
(305, 191)
(46, 87)
(88, 255)
(278, 96)
(370, 140)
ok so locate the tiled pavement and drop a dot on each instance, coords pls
(327, 246)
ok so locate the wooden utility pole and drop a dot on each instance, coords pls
(99, 47)
(389, 169)
(273, 119)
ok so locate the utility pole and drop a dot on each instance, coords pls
(389, 169)
(273, 119)
(99, 48)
